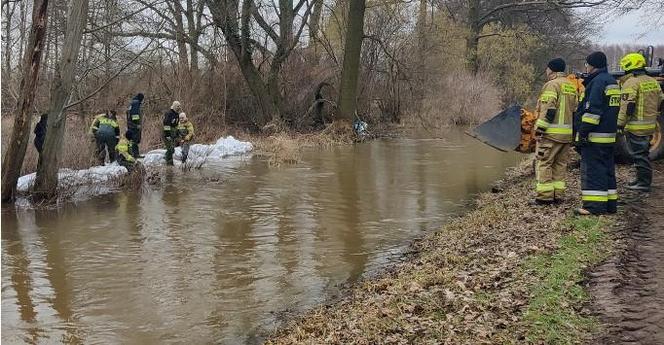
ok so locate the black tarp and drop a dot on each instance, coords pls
(503, 131)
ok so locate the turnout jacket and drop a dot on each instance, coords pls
(596, 117)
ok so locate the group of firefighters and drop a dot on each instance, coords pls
(105, 131)
(177, 131)
(590, 122)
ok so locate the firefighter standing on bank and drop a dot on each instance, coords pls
(170, 134)
(555, 108)
(106, 133)
(639, 108)
(595, 125)
(134, 122)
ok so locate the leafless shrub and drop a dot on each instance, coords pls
(459, 99)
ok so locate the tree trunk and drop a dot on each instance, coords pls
(351, 66)
(46, 183)
(269, 109)
(13, 159)
(421, 29)
(474, 29)
(24, 20)
(183, 59)
(8, 42)
(314, 27)
(286, 22)
(194, 35)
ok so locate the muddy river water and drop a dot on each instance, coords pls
(221, 254)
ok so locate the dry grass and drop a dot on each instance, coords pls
(467, 284)
(78, 151)
(279, 149)
(286, 147)
(458, 98)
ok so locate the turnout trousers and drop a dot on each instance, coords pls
(598, 178)
(106, 144)
(169, 143)
(135, 134)
(552, 158)
(640, 148)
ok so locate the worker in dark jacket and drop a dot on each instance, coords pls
(134, 122)
(595, 136)
(106, 133)
(40, 133)
(170, 134)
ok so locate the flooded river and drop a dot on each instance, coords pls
(220, 255)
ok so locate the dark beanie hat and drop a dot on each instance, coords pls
(557, 65)
(596, 59)
(140, 97)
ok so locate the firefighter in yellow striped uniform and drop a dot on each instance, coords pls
(555, 107)
(123, 152)
(641, 98)
(106, 132)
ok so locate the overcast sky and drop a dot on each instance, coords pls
(634, 28)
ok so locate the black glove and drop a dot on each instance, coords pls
(539, 132)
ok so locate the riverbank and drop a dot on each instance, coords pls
(506, 272)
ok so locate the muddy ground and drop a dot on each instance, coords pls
(628, 289)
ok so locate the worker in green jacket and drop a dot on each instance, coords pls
(106, 133)
(185, 135)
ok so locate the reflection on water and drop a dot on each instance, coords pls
(206, 262)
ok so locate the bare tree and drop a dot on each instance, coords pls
(351, 66)
(13, 159)
(480, 13)
(46, 182)
(235, 19)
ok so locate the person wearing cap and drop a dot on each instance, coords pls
(170, 130)
(595, 126)
(641, 99)
(185, 135)
(553, 128)
(134, 122)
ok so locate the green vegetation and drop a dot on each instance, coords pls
(553, 315)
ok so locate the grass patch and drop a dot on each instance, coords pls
(553, 314)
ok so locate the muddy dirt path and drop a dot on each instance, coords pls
(628, 289)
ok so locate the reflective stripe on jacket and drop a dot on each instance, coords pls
(134, 116)
(555, 108)
(596, 118)
(639, 107)
(106, 125)
(123, 150)
(171, 118)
